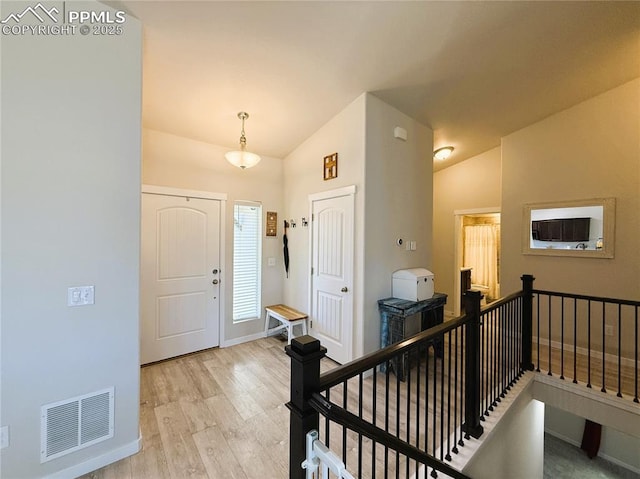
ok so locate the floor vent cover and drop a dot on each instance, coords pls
(75, 423)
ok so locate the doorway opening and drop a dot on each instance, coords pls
(477, 236)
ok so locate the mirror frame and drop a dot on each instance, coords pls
(608, 228)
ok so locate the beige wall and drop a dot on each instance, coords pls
(393, 199)
(590, 150)
(515, 448)
(70, 217)
(170, 160)
(469, 186)
(344, 134)
(398, 204)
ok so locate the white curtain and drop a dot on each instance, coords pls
(481, 254)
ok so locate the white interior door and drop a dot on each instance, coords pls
(180, 276)
(332, 275)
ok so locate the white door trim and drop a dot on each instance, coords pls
(169, 191)
(324, 195)
(458, 247)
(207, 195)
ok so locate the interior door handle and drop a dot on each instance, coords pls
(215, 281)
(344, 289)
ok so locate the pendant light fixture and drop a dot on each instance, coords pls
(242, 158)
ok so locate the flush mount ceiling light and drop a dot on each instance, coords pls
(443, 153)
(242, 158)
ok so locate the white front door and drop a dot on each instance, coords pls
(180, 276)
(332, 275)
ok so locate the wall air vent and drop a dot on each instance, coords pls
(76, 423)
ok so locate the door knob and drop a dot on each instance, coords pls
(344, 289)
(215, 271)
(215, 281)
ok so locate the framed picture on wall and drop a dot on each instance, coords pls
(330, 167)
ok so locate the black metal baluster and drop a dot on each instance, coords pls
(575, 341)
(589, 343)
(519, 357)
(442, 404)
(401, 358)
(635, 399)
(448, 456)
(455, 397)
(360, 416)
(489, 321)
(418, 402)
(486, 328)
(374, 412)
(345, 393)
(503, 349)
(435, 406)
(604, 349)
(512, 353)
(408, 382)
(462, 382)
(561, 338)
(435, 401)
(327, 424)
(549, 346)
(386, 420)
(512, 339)
(482, 385)
(619, 351)
(494, 351)
(426, 403)
(538, 332)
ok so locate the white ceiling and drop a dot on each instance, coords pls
(473, 71)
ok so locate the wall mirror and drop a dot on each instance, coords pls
(582, 228)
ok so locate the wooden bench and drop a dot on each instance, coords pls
(287, 318)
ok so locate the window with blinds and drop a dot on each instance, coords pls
(247, 219)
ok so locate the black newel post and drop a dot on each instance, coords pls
(527, 321)
(471, 424)
(305, 353)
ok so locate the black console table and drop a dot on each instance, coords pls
(393, 315)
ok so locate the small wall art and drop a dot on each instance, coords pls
(272, 222)
(330, 167)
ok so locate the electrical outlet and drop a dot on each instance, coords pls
(608, 330)
(4, 436)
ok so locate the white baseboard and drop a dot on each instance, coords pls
(99, 461)
(244, 339)
(624, 361)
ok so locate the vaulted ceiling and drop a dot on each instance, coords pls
(473, 71)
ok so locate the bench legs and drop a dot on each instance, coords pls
(284, 324)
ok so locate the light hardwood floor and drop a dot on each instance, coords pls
(218, 413)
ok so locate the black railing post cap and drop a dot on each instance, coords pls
(305, 344)
(472, 293)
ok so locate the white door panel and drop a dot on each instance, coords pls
(332, 277)
(180, 251)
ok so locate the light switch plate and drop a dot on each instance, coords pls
(4, 436)
(80, 295)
